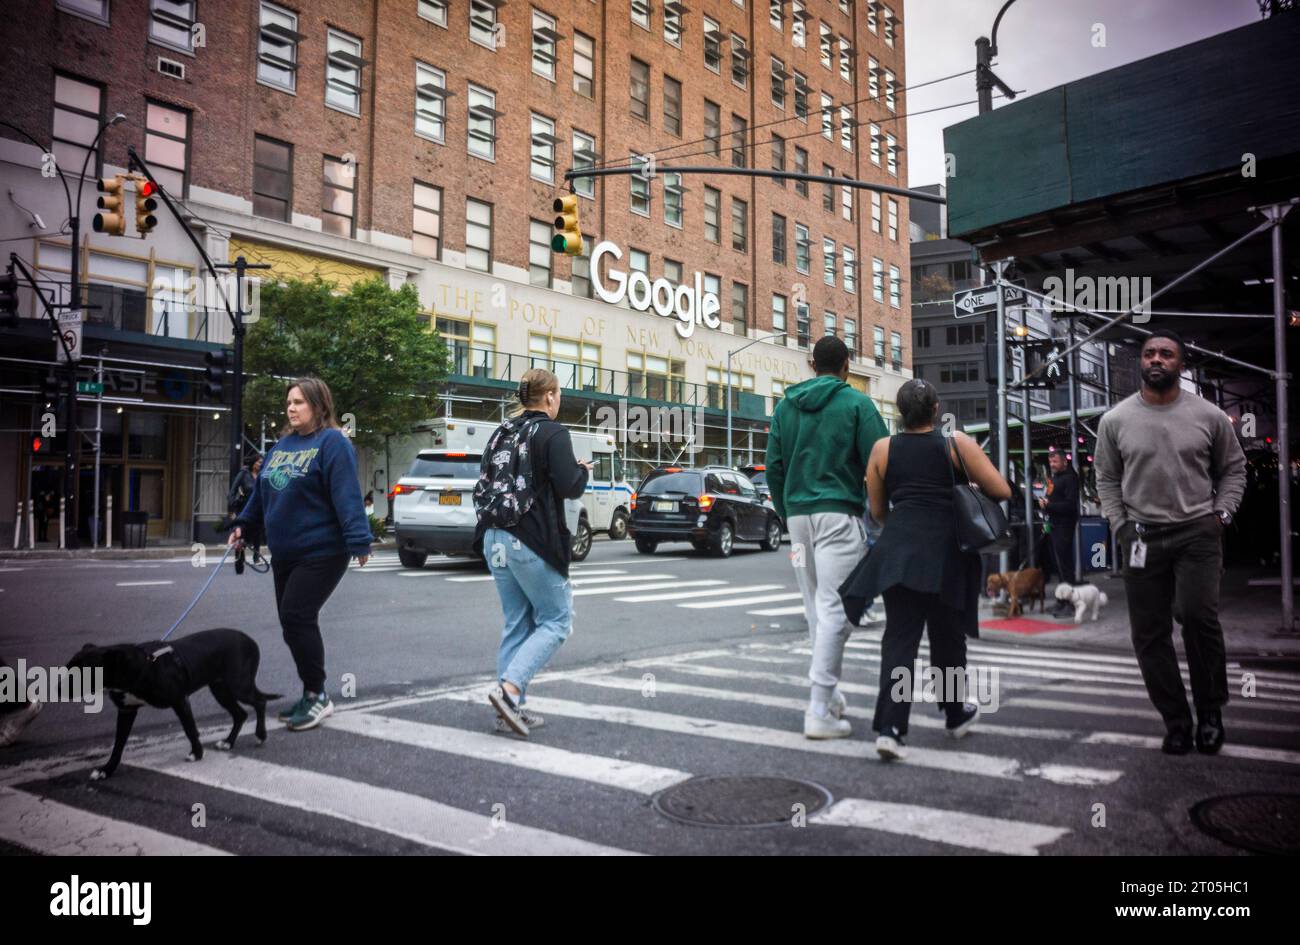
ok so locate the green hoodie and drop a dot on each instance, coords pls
(817, 450)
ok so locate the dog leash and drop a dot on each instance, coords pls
(229, 549)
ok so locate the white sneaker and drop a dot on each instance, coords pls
(11, 725)
(531, 719)
(891, 747)
(825, 726)
(838, 705)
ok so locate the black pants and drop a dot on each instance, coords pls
(1180, 581)
(907, 614)
(301, 588)
(1062, 536)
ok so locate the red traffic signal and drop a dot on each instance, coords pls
(42, 444)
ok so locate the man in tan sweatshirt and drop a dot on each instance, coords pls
(1170, 474)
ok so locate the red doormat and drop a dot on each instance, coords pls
(1025, 625)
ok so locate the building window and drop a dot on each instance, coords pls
(878, 344)
(896, 354)
(338, 198)
(713, 127)
(846, 60)
(539, 253)
(895, 287)
(828, 118)
(541, 163)
(802, 248)
(878, 279)
(171, 22)
(93, 9)
(850, 271)
(712, 215)
(640, 188)
(478, 235)
(78, 114)
(483, 22)
(640, 89)
(713, 286)
(672, 106)
(738, 129)
(798, 25)
(435, 11)
(889, 91)
(851, 337)
(873, 15)
(582, 270)
(712, 45)
(471, 344)
(584, 156)
(800, 96)
(719, 382)
(739, 225)
(828, 261)
(889, 27)
(802, 325)
(576, 363)
(343, 73)
(778, 239)
(826, 43)
(828, 190)
(828, 324)
(891, 154)
(778, 155)
(874, 132)
(430, 102)
(922, 337)
(740, 307)
(673, 23)
(584, 65)
(673, 199)
(166, 146)
(739, 61)
(776, 14)
(641, 13)
(272, 178)
(846, 202)
(277, 47)
(656, 378)
(846, 128)
(778, 82)
(873, 78)
(426, 221)
(801, 166)
(778, 315)
(673, 271)
(893, 220)
(544, 40)
(482, 139)
(875, 211)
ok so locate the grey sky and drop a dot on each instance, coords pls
(1041, 44)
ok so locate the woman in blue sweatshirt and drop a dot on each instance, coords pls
(307, 504)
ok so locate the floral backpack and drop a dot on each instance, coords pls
(504, 492)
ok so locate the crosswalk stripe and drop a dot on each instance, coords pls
(142, 583)
(584, 580)
(713, 593)
(1230, 749)
(396, 813)
(777, 611)
(588, 591)
(959, 761)
(972, 831)
(1142, 713)
(429, 574)
(55, 829)
(624, 562)
(740, 601)
(614, 772)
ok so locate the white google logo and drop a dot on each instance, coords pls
(691, 304)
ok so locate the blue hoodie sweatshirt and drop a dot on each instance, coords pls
(307, 500)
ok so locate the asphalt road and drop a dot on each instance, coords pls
(679, 665)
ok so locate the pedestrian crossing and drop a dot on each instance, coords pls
(425, 772)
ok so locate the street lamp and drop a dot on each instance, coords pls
(729, 355)
(74, 221)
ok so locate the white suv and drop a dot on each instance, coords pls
(433, 506)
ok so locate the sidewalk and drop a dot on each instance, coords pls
(1251, 617)
(156, 549)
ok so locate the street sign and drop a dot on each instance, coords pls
(984, 299)
(89, 387)
(70, 329)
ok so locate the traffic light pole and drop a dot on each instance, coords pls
(71, 475)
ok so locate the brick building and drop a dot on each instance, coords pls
(423, 141)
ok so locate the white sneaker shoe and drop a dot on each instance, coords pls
(838, 705)
(891, 747)
(825, 726)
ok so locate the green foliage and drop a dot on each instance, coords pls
(370, 344)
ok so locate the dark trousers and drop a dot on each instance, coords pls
(907, 614)
(301, 588)
(1062, 536)
(1180, 581)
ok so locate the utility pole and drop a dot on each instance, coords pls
(240, 265)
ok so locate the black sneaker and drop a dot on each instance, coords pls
(890, 745)
(1178, 741)
(960, 726)
(507, 709)
(1209, 731)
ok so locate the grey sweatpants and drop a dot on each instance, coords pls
(825, 548)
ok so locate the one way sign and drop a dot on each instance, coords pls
(984, 299)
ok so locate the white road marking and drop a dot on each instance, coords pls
(971, 831)
(142, 583)
(588, 591)
(713, 593)
(740, 601)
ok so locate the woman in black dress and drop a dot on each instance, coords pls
(927, 582)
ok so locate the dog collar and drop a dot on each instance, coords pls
(159, 652)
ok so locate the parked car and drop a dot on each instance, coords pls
(758, 476)
(712, 507)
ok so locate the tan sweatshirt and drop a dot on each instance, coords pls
(1164, 464)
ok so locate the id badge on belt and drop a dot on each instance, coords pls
(1137, 555)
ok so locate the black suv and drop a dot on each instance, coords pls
(712, 507)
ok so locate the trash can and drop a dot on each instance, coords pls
(1094, 543)
(135, 529)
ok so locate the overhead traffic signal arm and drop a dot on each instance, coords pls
(569, 238)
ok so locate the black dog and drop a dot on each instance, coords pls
(164, 675)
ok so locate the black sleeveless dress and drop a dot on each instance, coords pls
(918, 547)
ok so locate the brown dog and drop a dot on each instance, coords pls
(1025, 584)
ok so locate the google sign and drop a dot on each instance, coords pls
(690, 304)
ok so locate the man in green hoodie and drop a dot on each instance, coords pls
(817, 450)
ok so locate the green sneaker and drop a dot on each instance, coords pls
(315, 709)
(285, 715)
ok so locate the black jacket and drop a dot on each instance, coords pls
(1063, 503)
(556, 477)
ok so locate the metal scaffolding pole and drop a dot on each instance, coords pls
(999, 268)
(1277, 213)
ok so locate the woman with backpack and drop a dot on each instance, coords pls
(528, 471)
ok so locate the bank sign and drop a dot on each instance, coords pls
(690, 305)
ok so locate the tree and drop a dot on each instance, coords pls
(370, 344)
(931, 287)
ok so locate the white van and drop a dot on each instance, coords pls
(433, 504)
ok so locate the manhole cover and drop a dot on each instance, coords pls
(740, 802)
(1261, 823)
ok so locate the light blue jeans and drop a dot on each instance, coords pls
(537, 601)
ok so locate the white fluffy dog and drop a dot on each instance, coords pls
(1082, 597)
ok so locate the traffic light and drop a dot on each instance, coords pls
(51, 388)
(8, 297)
(145, 204)
(42, 444)
(214, 375)
(569, 239)
(113, 221)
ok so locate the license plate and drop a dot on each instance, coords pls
(449, 498)
(665, 506)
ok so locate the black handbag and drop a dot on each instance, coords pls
(981, 524)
